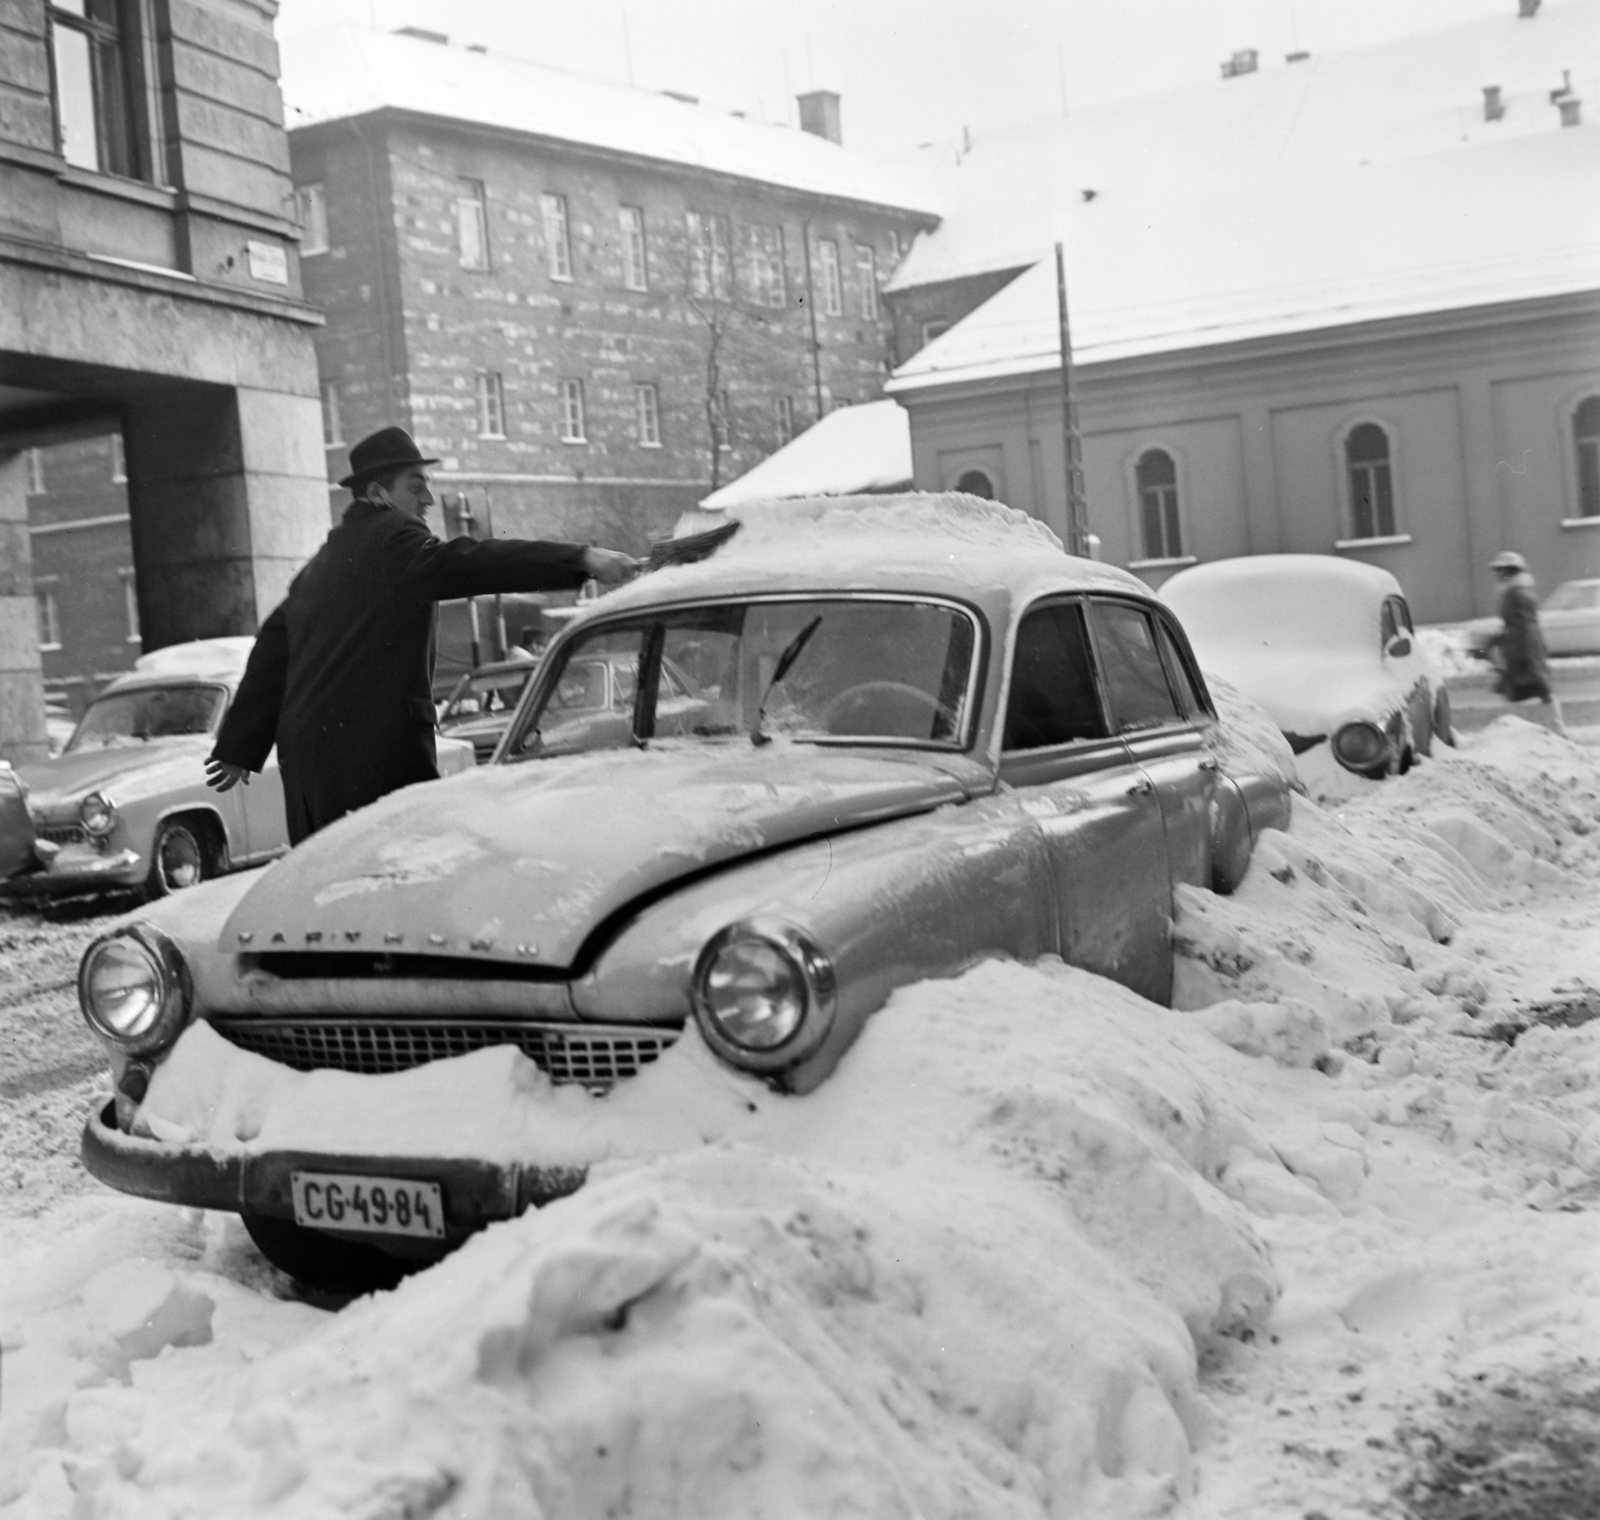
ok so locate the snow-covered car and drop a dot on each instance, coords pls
(1569, 619)
(920, 735)
(1326, 646)
(125, 805)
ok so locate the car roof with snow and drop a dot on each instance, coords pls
(943, 544)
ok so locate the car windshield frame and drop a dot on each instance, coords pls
(74, 746)
(653, 658)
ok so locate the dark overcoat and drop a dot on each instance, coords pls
(1518, 649)
(341, 674)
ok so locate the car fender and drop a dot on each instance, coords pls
(188, 808)
(889, 905)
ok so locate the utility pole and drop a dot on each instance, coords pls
(1071, 437)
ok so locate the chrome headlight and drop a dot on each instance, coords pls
(763, 994)
(98, 814)
(134, 989)
(1360, 746)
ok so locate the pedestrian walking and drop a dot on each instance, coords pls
(341, 674)
(1518, 650)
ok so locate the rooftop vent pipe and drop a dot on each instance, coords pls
(1299, 56)
(1571, 108)
(1242, 62)
(819, 114)
(422, 34)
(1493, 106)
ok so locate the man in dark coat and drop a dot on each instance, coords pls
(1518, 650)
(341, 674)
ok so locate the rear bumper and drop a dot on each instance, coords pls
(476, 1193)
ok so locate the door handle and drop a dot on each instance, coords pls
(1209, 763)
(1141, 788)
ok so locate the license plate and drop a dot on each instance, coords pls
(376, 1205)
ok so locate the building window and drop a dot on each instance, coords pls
(557, 243)
(1366, 452)
(472, 224)
(491, 406)
(36, 472)
(49, 620)
(1586, 440)
(708, 255)
(130, 605)
(647, 413)
(332, 422)
(313, 207)
(767, 285)
(828, 273)
(635, 271)
(867, 277)
(976, 483)
(783, 407)
(119, 462)
(937, 327)
(1156, 479)
(572, 430)
(93, 89)
(894, 246)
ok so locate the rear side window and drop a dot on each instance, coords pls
(1136, 680)
(1054, 699)
(1179, 674)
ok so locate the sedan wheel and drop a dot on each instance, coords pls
(178, 858)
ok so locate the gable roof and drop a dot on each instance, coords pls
(339, 72)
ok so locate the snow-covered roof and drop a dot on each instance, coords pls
(337, 72)
(1491, 222)
(853, 449)
(1009, 194)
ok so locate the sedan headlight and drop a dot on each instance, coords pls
(134, 989)
(1360, 746)
(97, 814)
(763, 994)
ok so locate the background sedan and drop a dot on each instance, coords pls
(1569, 618)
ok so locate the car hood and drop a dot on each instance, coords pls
(520, 863)
(124, 772)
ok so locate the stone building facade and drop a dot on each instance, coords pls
(150, 288)
(590, 334)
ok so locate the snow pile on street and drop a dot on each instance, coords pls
(1039, 1248)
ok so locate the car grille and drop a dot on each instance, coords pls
(62, 833)
(586, 1055)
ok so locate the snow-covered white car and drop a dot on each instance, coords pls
(1569, 619)
(920, 735)
(1326, 646)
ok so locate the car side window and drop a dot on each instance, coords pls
(1190, 702)
(1136, 681)
(1053, 699)
(1389, 624)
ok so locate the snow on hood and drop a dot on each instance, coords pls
(520, 863)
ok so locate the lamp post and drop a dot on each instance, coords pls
(1078, 536)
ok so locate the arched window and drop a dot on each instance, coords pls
(976, 483)
(1366, 452)
(1156, 476)
(1586, 440)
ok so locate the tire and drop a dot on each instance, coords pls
(324, 1263)
(181, 856)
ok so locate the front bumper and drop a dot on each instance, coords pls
(80, 870)
(476, 1193)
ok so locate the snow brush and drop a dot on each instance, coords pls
(691, 547)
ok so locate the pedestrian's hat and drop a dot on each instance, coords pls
(390, 448)
(1508, 559)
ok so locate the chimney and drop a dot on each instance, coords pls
(819, 114)
(1242, 62)
(1493, 106)
(1571, 108)
(1527, 9)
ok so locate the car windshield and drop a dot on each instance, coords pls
(151, 712)
(1575, 596)
(485, 694)
(837, 670)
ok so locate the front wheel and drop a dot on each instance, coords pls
(179, 858)
(322, 1262)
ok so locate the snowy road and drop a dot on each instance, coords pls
(1328, 1243)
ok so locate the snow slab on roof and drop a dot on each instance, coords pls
(1499, 222)
(1005, 197)
(338, 72)
(852, 449)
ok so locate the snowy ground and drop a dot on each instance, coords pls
(1323, 1243)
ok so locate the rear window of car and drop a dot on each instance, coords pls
(1136, 679)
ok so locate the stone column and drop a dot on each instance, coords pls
(22, 734)
(228, 498)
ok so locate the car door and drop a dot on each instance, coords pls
(1157, 710)
(1099, 813)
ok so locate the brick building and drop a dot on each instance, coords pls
(595, 303)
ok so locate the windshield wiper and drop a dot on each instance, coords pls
(785, 663)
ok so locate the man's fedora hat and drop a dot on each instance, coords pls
(390, 448)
